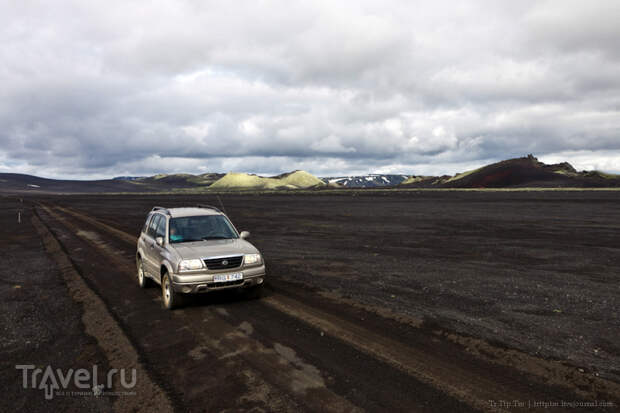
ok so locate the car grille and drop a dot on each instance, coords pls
(223, 263)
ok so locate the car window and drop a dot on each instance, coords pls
(146, 223)
(203, 227)
(161, 227)
(153, 225)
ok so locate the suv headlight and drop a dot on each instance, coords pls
(252, 259)
(188, 265)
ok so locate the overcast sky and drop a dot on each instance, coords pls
(94, 89)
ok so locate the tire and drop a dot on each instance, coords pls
(170, 298)
(143, 280)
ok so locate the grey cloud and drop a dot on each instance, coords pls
(91, 89)
(575, 26)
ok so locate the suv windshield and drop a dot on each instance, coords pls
(204, 227)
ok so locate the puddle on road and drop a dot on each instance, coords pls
(222, 311)
(237, 342)
(240, 334)
(305, 376)
(93, 236)
(247, 328)
(266, 369)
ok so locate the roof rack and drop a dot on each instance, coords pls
(162, 209)
(209, 207)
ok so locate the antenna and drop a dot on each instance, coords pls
(208, 207)
(221, 204)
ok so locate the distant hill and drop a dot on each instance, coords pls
(20, 182)
(519, 172)
(424, 180)
(512, 173)
(157, 183)
(244, 181)
(366, 181)
(180, 180)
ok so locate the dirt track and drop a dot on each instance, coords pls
(304, 347)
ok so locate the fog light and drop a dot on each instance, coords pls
(186, 289)
(259, 281)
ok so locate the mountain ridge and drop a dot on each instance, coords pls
(522, 172)
(366, 181)
(526, 171)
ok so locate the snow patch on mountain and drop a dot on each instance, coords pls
(366, 181)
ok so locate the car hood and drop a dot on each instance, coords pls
(213, 248)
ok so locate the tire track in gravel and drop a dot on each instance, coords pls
(268, 374)
(463, 382)
(100, 324)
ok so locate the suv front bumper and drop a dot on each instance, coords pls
(202, 283)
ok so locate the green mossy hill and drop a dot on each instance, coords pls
(292, 180)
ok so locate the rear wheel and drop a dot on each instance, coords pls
(171, 298)
(143, 280)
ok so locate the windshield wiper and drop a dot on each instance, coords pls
(208, 238)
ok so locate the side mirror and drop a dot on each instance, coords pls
(244, 234)
(159, 241)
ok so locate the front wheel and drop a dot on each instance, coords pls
(171, 298)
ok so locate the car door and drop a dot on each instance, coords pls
(150, 263)
(142, 240)
(157, 250)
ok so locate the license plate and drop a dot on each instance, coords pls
(222, 278)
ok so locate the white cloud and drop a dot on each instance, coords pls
(587, 160)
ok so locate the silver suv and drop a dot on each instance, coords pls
(196, 250)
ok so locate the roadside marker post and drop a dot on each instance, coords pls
(19, 217)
